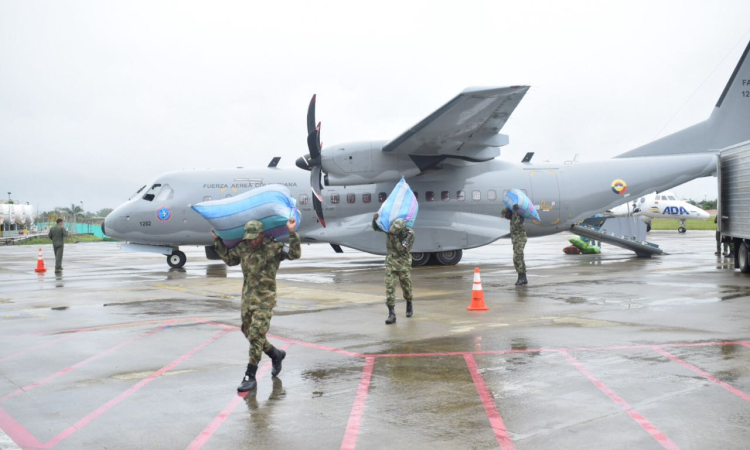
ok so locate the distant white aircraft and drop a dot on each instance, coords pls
(663, 205)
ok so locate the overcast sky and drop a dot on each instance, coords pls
(98, 98)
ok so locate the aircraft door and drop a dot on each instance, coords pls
(545, 193)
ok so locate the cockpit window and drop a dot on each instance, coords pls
(138, 191)
(166, 193)
(671, 197)
(151, 193)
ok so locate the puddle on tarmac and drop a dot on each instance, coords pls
(59, 308)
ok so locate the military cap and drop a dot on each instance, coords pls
(397, 226)
(253, 229)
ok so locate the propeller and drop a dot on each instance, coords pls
(314, 161)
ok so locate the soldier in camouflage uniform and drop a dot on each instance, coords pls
(58, 234)
(399, 242)
(518, 238)
(260, 257)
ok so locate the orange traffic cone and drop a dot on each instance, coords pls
(477, 294)
(40, 263)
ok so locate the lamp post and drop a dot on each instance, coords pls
(82, 210)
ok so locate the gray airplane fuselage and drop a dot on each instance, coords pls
(459, 205)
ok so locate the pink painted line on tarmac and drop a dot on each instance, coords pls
(17, 432)
(496, 421)
(31, 386)
(319, 347)
(704, 374)
(647, 426)
(358, 408)
(132, 390)
(36, 347)
(744, 344)
(216, 423)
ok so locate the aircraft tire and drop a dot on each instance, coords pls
(682, 230)
(648, 227)
(419, 259)
(743, 258)
(449, 258)
(177, 259)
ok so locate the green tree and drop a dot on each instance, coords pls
(708, 204)
(74, 211)
(104, 212)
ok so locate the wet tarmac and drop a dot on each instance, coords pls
(599, 351)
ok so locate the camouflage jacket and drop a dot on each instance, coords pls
(517, 230)
(58, 235)
(259, 266)
(399, 248)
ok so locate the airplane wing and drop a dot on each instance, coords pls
(466, 127)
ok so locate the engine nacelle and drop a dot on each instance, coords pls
(365, 162)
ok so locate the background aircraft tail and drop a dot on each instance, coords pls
(729, 123)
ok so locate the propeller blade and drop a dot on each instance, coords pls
(311, 116)
(315, 182)
(313, 144)
(319, 211)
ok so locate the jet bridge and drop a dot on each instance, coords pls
(611, 231)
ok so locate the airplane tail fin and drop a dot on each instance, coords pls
(728, 124)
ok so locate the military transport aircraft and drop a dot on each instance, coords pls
(449, 160)
(662, 205)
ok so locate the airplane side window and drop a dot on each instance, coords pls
(382, 196)
(476, 195)
(429, 196)
(303, 199)
(461, 196)
(643, 199)
(366, 198)
(151, 193)
(445, 196)
(207, 198)
(351, 198)
(334, 198)
(491, 195)
(671, 197)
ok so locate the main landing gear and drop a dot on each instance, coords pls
(177, 259)
(447, 258)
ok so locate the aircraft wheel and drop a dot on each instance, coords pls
(176, 260)
(449, 258)
(419, 259)
(743, 258)
(648, 227)
(682, 230)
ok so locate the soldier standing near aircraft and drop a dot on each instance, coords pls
(260, 257)
(518, 238)
(58, 234)
(399, 241)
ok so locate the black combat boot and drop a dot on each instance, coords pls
(276, 356)
(391, 316)
(248, 383)
(409, 309)
(522, 279)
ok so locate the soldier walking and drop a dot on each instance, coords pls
(518, 238)
(399, 241)
(58, 234)
(260, 257)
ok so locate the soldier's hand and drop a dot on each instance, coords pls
(213, 235)
(291, 224)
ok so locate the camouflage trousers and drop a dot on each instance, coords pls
(390, 285)
(518, 261)
(256, 319)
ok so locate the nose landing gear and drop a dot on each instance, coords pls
(682, 228)
(177, 259)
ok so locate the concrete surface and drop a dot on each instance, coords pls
(599, 351)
